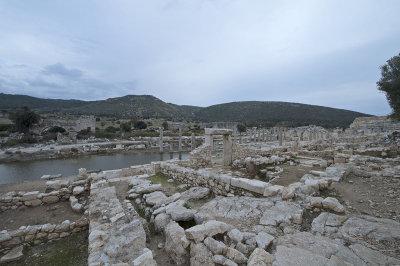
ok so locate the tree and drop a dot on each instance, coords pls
(390, 84)
(111, 129)
(241, 128)
(140, 125)
(24, 118)
(126, 127)
(165, 125)
(56, 129)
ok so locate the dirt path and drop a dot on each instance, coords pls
(376, 196)
(50, 213)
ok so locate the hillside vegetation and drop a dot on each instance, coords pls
(147, 106)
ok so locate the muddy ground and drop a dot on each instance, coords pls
(43, 214)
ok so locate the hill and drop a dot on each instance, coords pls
(147, 106)
(271, 113)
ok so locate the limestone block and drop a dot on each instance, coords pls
(200, 255)
(13, 255)
(176, 243)
(260, 257)
(270, 191)
(78, 190)
(332, 204)
(210, 228)
(264, 240)
(30, 195)
(235, 235)
(216, 247)
(50, 199)
(236, 255)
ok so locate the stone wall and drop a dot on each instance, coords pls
(220, 184)
(201, 157)
(37, 234)
(58, 190)
(372, 126)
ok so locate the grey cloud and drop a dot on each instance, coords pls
(60, 69)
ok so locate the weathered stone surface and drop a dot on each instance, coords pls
(281, 212)
(169, 200)
(236, 235)
(318, 246)
(332, 204)
(371, 227)
(154, 198)
(295, 256)
(78, 190)
(219, 259)
(63, 227)
(236, 207)
(288, 193)
(176, 243)
(13, 255)
(178, 212)
(161, 221)
(260, 257)
(210, 228)
(264, 240)
(272, 190)
(146, 259)
(314, 201)
(200, 255)
(146, 188)
(373, 257)
(56, 184)
(50, 199)
(195, 193)
(327, 223)
(216, 247)
(236, 255)
(30, 195)
(33, 203)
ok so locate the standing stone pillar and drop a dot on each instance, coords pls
(161, 140)
(263, 135)
(254, 134)
(227, 140)
(208, 140)
(280, 136)
(193, 141)
(235, 133)
(180, 139)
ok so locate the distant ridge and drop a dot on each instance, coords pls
(266, 113)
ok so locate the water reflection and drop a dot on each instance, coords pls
(16, 172)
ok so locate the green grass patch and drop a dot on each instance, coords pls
(186, 205)
(162, 179)
(308, 217)
(72, 250)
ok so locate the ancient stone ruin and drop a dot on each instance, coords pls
(285, 196)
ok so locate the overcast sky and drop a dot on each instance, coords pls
(200, 52)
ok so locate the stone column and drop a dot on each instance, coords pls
(193, 141)
(180, 139)
(263, 135)
(235, 133)
(254, 134)
(208, 140)
(227, 140)
(280, 136)
(161, 140)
